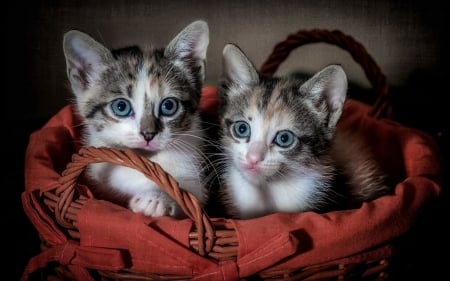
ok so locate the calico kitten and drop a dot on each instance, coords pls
(147, 101)
(281, 148)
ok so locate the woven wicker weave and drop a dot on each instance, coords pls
(215, 238)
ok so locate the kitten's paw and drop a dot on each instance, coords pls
(155, 204)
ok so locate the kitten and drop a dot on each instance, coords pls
(282, 152)
(147, 101)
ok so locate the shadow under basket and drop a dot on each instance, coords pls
(88, 239)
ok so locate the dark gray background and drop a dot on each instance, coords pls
(402, 36)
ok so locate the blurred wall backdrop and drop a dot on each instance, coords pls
(403, 36)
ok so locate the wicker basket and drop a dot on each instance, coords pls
(307, 246)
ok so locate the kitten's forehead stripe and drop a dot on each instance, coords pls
(275, 95)
(148, 104)
(273, 108)
(265, 93)
(130, 91)
(254, 101)
(153, 80)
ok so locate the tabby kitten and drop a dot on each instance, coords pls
(147, 101)
(281, 148)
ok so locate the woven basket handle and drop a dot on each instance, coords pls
(372, 71)
(89, 155)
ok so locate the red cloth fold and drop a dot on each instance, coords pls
(50, 149)
(114, 238)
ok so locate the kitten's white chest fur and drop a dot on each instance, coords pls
(293, 194)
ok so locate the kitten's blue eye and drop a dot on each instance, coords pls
(241, 129)
(169, 106)
(284, 139)
(121, 107)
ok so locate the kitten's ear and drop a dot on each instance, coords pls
(237, 68)
(190, 46)
(85, 59)
(328, 89)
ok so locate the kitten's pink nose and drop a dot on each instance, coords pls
(256, 152)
